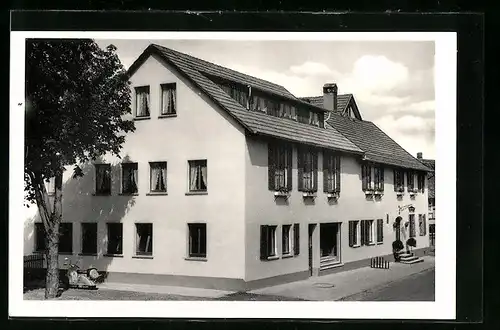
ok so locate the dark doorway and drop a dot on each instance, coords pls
(310, 248)
(329, 242)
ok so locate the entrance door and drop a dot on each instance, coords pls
(310, 248)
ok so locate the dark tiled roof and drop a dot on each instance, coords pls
(342, 101)
(377, 145)
(255, 122)
(431, 163)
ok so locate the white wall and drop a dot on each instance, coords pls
(200, 131)
(262, 209)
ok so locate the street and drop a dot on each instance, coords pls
(417, 287)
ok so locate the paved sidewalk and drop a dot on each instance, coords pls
(162, 289)
(343, 284)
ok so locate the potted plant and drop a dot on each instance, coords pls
(281, 191)
(397, 246)
(411, 242)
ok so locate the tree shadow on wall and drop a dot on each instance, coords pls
(80, 204)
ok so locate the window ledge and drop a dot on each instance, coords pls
(170, 115)
(128, 194)
(142, 118)
(332, 195)
(370, 244)
(356, 246)
(273, 258)
(159, 193)
(142, 256)
(281, 194)
(101, 194)
(189, 193)
(309, 194)
(196, 259)
(87, 254)
(113, 255)
(380, 243)
(285, 256)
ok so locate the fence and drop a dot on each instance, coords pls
(34, 261)
(379, 262)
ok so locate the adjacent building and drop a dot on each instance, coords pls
(232, 182)
(431, 183)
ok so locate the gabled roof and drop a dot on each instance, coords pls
(377, 145)
(342, 101)
(196, 71)
(431, 178)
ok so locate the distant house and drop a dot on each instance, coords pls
(431, 179)
(232, 182)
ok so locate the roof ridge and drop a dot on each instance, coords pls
(415, 158)
(221, 66)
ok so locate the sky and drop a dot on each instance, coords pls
(392, 81)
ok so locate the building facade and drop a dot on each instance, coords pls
(431, 183)
(231, 182)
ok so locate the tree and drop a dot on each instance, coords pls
(76, 97)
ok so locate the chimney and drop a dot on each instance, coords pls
(419, 155)
(330, 97)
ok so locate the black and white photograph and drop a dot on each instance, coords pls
(230, 174)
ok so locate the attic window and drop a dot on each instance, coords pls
(237, 93)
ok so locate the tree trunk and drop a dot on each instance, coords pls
(52, 276)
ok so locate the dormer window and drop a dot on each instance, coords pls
(142, 103)
(313, 118)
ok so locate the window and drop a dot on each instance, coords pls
(307, 166)
(168, 99)
(158, 176)
(197, 240)
(313, 118)
(296, 239)
(287, 111)
(103, 179)
(367, 234)
(129, 178)
(354, 233)
(380, 230)
(237, 93)
(144, 239)
(422, 225)
(329, 241)
(89, 238)
(66, 238)
(51, 186)
(142, 104)
(273, 108)
(331, 172)
(40, 244)
(279, 167)
(399, 184)
(267, 242)
(379, 178)
(421, 182)
(115, 237)
(303, 116)
(410, 179)
(412, 225)
(366, 173)
(286, 240)
(198, 175)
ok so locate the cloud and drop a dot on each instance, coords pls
(312, 69)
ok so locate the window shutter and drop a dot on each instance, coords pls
(425, 224)
(289, 168)
(364, 177)
(351, 233)
(315, 170)
(271, 166)
(395, 180)
(381, 171)
(263, 242)
(362, 224)
(326, 156)
(296, 240)
(300, 168)
(337, 173)
(380, 230)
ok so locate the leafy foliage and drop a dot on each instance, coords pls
(397, 245)
(411, 242)
(76, 97)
